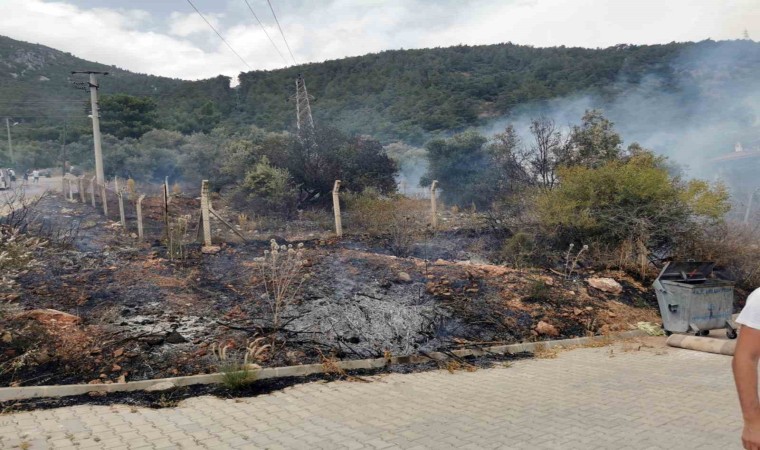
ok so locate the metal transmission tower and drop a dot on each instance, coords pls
(304, 122)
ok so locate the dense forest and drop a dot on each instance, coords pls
(406, 95)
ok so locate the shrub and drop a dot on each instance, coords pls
(627, 209)
(399, 219)
(519, 249)
(270, 189)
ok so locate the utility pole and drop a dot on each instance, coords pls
(93, 85)
(10, 144)
(63, 152)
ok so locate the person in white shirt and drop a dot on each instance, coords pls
(746, 357)
(36, 176)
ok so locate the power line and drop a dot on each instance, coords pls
(265, 32)
(281, 33)
(220, 36)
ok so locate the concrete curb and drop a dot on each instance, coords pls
(28, 392)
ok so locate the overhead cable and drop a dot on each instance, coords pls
(265, 32)
(281, 33)
(220, 36)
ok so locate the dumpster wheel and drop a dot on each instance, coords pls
(731, 333)
(702, 333)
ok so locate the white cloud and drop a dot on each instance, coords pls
(181, 45)
(184, 25)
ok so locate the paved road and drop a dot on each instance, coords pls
(621, 397)
(30, 190)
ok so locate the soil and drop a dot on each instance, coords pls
(144, 316)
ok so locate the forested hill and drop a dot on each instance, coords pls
(400, 94)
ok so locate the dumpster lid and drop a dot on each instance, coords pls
(687, 270)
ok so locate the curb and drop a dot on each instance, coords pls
(29, 392)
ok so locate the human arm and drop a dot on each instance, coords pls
(746, 357)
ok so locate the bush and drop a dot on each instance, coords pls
(399, 219)
(519, 249)
(626, 209)
(269, 189)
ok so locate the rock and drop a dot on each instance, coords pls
(115, 368)
(122, 379)
(546, 329)
(153, 339)
(605, 285)
(605, 329)
(611, 314)
(162, 386)
(403, 277)
(440, 262)
(589, 308)
(7, 337)
(577, 311)
(175, 338)
(51, 316)
(118, 352)
(210, 249)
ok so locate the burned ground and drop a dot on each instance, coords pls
(135, 314)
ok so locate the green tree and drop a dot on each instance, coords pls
(593, 143)
(461, 166)
(127, 116)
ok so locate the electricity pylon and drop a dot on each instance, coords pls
(305, 123)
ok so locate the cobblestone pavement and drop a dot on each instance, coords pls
(620, 397)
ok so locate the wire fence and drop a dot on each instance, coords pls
(158, 212)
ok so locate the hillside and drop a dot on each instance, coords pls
(401, 94)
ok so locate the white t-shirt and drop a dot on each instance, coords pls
(750, 315)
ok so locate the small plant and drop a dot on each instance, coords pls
(519, 249)
(281, 271)
(538, 291)
(255, 351)
(571, 262)
(242, 220)
(131, 189)
(176, 188)
(177, 231)
(235, 375)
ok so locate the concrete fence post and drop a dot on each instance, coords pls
(120, 195)
(104, 199)
(92, 189)
(433, 206)
(166, 210)
(80, 185)
(71, 190)
(336, 209)
(205, 214)
(139, 217)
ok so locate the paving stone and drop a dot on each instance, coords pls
(608, 397)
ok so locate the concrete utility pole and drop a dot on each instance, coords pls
(93, 85)
(10, 144)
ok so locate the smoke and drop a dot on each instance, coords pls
(412, 165)
(693, 110)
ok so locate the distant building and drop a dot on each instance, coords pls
(740, 169)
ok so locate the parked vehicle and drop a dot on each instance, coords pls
(5, 179)
(47, 173)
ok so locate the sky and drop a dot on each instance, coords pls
(168, 38)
